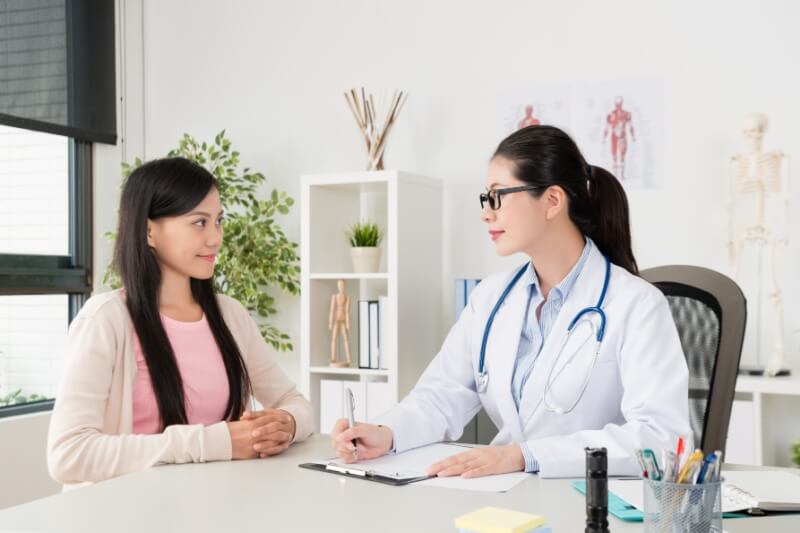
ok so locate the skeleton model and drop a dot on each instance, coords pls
(339, 322)
(618, 122)
(758, 217)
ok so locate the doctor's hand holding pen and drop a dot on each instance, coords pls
(362, 441)
(373, 441)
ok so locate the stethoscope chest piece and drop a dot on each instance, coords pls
(483, 381)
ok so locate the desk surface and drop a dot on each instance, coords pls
(275, 495)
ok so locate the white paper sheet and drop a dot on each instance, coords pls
(630, 490)
(413, 463)
(496, 483)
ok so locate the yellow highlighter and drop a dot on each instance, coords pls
(689, 467)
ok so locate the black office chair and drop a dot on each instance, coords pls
(710, 312)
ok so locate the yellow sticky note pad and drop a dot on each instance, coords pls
(497, 520)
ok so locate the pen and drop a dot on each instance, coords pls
(351, 413)
(689, 468)
(653, 471)
(679, 453)
(642, 464)
(670, 464)
(717, 466)
(704, 469)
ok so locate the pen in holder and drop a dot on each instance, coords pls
(682, 507)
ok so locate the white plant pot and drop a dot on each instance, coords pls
(365, 259)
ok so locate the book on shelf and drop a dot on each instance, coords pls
(363, 334)
(383, 331)
(373, 324)
(463, 288)
(374, 346)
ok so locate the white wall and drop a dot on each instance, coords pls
(273, 73)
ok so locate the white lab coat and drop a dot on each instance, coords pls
(637, 396)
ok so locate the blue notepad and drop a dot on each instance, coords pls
(616, 505)
(627, 512)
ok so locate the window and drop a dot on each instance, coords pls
(34, 198)
(57, 96)
(33, 331)
(45, 260)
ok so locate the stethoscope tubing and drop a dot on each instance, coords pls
(483, 376)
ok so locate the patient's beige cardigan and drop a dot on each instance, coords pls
(90, 430)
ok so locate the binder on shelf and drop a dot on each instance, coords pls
(374, 347)
(383, 325)
(363, 334)
(463, 288)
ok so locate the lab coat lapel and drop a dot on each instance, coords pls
(584, 293)
(502, 354)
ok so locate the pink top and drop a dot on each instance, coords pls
(205, 382)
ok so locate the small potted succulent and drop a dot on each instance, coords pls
(365, 237)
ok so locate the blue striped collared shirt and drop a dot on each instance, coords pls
(535, 331)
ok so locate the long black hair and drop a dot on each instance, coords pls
(546, 156)
(166, 188)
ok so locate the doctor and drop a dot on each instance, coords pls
(571, 349)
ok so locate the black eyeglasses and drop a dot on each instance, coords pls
(493, 196)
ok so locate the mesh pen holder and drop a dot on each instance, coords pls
(679, 508)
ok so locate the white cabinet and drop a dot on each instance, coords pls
(765, 420)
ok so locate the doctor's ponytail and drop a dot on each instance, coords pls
(610, 220)
(546, 156)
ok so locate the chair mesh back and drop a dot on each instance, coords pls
(699, 330)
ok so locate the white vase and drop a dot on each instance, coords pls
(365, 259)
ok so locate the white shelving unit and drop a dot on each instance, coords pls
(408, 209)
(765, 420)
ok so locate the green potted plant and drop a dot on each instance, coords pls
(365, 237)
(16, 397)
(795, 451)
(257, 258)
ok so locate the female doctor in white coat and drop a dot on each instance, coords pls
(618, 380)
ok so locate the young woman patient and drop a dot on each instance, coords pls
(162, 370)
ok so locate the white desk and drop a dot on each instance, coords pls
(275, 495)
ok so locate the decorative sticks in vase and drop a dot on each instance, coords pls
(363, 107)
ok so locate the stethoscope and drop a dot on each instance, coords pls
(598, 332)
